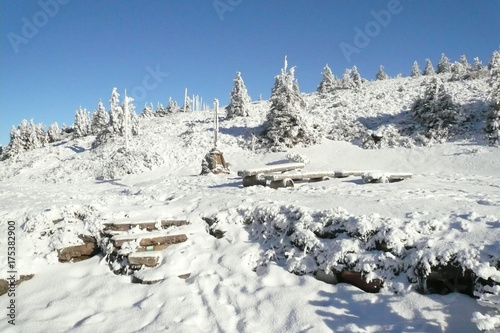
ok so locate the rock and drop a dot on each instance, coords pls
(184, 276)
(281, 183)
(79, 252)
(357, 280)
(4, 284)
(330, 278)
(444, 279)
(148, 259)
(138, 280)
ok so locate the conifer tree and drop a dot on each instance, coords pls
(415, 70)
(495, 58)
(42, 136)
(356, 78)
(429, 69)
(285, 126)
(132, 120)
(493, 119)
(463, 61)
(329, 83)
(148, 111)
(82, 123)
(240, 101)
(381, 75)
(100, 119)
(54, 133)
(161, 111)
(478, 65)
(115, 113)
(172, 106)
(444, 65)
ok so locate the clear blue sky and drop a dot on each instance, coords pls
(56, 58)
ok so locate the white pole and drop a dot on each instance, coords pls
(185, 98)
(216, 121)
(126, 120)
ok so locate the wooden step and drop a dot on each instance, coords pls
(271, 169)
(148, 259)
(143, 225)
(148, 239)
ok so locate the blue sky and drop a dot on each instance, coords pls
(57, 55)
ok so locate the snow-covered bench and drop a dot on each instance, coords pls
(385, 177)
(257, 176)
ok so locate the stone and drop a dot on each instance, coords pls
(330, 278)
(254, 180)
(281, 183)
(79, 252)
(357, 280)
(184, 276)
(149, 240)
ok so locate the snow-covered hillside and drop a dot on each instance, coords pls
(260, 276)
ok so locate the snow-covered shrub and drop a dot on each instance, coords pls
(296, 157)
(356, 78)
(493, 119)
(459, 71)
(125, 162)
(148, 111)
(25, 137)
(161, 111)
(54, 133)
(345, 127)
(240, 101)
(172, 106)
(347, 82)
(436, 111)
(385, 136)
(285, 125)
(329, 83)
(381, 75)
(82, 123)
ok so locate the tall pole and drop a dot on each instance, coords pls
(216, 121)
(185, 98)
(126, 120)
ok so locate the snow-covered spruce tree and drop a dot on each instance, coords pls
(495, 58)
(172, 106)
(429, 69)
(436, 111)
(148, 111)
(478, 65)
(347, 82)
(115, 113)
(464, 62)
(161, 111)
(41, 134)
(31, 137)
(54, 133)
(82, 123)
(17, 144)
(100, 119)
(444, 65)
(132, 120)
(240, 101)
(415, 70)
(356, 78)
(285, 125)
(329, 83)
(381, 75)
(187, 105)
(493, 119)
(459, 71)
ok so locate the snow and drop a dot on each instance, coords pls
(448, 211)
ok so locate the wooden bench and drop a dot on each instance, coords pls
(255, 176)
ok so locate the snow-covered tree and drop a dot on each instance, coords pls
(493, 119)
(436, 110)
(356, 78)
(444, 65)
(329, 83)
(172, 106)
(239, 104)
(464, 62)
(429, 69)
(82, 123)
(54, 133)
(161, 111)
(100, 119)
(478, 65)
(187, 105)
(115, 113)
(132, 118)
(148, 111)
(17, 142)
(459, 71)
(415, 70)
(41, 134)
(285, 125)
(31, 137)
(347, 82)
(381, 75)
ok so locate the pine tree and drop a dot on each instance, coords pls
(493, 119)
(329, 83)
(187, 105)
(458, 71)
(172, 106)
(161, 111)
(285, 126)
(42, 136)
(16, 145)
(54, 133)
(115, 113)
(415, 70)
(346, 82)
(82, 123)
(429, 69)
(356, 78)
(148, 111)
(478, 65)
(463, 61)
(381, 75)
(444, 65)
(239, 101)
(436, 110)
(100, 119)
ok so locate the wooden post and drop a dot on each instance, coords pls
(216, 121)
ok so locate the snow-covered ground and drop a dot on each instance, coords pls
(448, 209)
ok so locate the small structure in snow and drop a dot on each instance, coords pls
(214, 161)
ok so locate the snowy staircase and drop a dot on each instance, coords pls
(132, 246)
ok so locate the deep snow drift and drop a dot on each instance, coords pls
(448, 211)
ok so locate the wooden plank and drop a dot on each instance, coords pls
(148, 259)
(348, 173)
(301, 175)
(148, 239)
(271, 169)
(143, 225)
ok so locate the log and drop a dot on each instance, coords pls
(301, 175)
(357, 280)
(271, 169)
